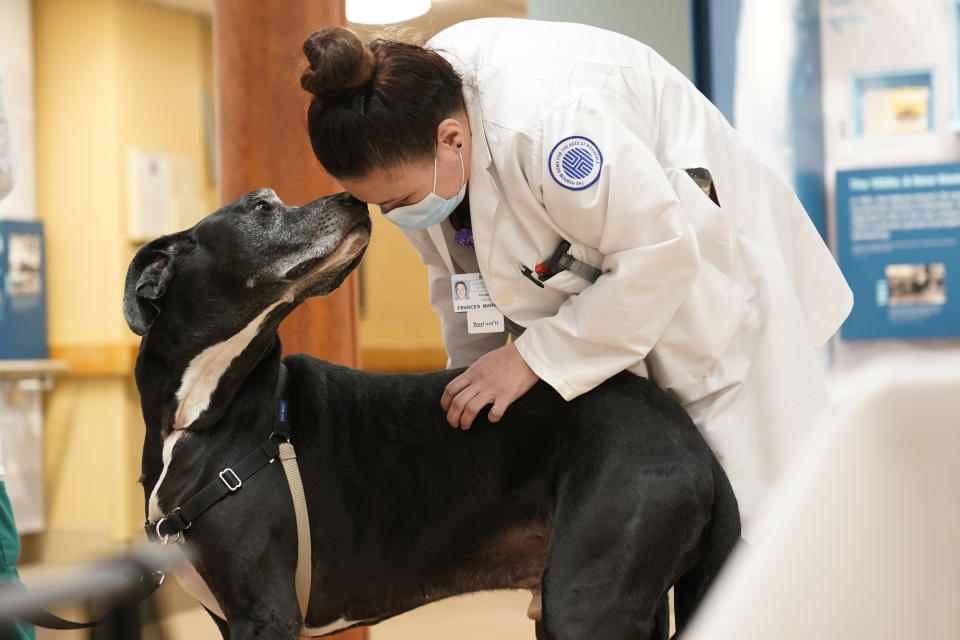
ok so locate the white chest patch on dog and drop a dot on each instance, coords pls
(154, 512)
(188, 577)
(336, 625)
(203, 373)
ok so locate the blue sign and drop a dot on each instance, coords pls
(23, 300)
(898, 242)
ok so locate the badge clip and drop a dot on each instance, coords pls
(530, 275)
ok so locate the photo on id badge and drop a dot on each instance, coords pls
(469, 293)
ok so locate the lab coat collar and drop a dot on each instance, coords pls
(480, 154)
(482, 189)
(465, 61)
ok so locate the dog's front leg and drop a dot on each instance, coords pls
(272, 615)
(246, 629)
(263, 606)
(258, 598)
(265, 610)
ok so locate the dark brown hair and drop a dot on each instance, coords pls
(374, 106)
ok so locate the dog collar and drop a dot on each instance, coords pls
(168, 528)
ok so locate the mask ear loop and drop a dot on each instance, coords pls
(463, 169)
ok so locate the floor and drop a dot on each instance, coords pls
(498, 615)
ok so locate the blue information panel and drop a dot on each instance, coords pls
(23, 307)
(898, 241)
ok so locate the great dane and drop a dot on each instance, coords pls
(598, 506)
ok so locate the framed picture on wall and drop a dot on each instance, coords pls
(892, 103)
(23, 298)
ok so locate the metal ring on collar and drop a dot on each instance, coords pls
(165, 539)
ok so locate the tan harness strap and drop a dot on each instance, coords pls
(304, 566)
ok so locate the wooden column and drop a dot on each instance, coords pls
(263, 143)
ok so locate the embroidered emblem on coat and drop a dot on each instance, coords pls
(575, 162)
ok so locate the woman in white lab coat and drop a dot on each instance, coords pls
(722, 291)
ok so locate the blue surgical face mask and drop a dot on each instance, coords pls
(433, 208)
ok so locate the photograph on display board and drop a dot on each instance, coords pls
(893, 104)
(916, 284)
(25, 262)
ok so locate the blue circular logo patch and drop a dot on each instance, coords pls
(575, 162)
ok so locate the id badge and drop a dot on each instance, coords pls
(485, 321)
(470, 296)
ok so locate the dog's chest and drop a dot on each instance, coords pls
(187, 575)
(191, 582)
(154, 512)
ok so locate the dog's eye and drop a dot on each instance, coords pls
(262, 205)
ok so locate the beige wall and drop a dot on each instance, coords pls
(110, 74)
(395, 299)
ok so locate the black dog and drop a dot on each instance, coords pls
(604, 502)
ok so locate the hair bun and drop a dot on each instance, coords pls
(338, 61)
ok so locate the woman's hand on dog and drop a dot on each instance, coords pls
(497, 378)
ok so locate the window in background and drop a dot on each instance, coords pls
(893, 103)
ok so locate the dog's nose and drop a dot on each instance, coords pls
(350, 199)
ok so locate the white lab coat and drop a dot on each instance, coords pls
(725, 307)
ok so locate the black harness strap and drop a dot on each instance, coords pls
(228, 480)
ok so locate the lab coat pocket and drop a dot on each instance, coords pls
(702, 329)
(716, 234)
(569, 282)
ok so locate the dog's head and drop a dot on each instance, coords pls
(252, 255)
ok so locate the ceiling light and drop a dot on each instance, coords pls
(385, 11)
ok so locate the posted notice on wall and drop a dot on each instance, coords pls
(23, 303)
(898, 242)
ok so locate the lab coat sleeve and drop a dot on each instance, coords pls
(6, 150)
(632, 216)
(462, 348)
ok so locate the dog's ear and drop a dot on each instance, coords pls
(148, 275)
